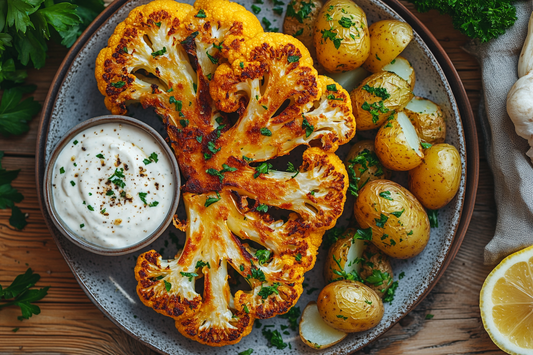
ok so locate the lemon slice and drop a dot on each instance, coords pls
(506, 303)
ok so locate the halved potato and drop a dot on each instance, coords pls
(341, 36)
(315, 332)
(350, 306)
(378, 97)
(399, 223)
(363, 165)
(397, 144)
(388, 38)
(351, 79)
(436, 181)
(428, 119)
(354, 258)
(403, 68)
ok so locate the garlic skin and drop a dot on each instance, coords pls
(520, 97)
(520, 109)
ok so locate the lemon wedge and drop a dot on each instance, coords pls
(506, 303)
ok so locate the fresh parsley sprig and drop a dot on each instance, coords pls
(19, 294)
(9, 196)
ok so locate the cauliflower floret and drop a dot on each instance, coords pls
(195, 66)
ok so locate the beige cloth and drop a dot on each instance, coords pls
(505, 150)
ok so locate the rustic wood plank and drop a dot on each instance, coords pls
(70, 323)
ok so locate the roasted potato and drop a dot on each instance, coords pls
(388, 38)
(377, 97)
(315, 332)
(399, 223)
(363, 165)
(354, 258)
(428, 119)
(341, 36)
(350, 306)
(403, 68)
(300, 22)
(397, 144)
(436, 181)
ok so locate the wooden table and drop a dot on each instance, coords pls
(70, 323)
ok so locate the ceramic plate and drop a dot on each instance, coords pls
(110, 282)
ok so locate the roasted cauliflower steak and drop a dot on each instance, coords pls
(232, 98)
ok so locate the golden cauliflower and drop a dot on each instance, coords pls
(195, 66)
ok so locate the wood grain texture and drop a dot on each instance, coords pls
(71, 324)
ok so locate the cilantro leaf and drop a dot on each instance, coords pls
(14, 114)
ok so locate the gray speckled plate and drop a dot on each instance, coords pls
(109, 281)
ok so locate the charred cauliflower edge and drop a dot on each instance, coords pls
(194, 65)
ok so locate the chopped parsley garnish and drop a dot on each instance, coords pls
(381, 221)
(332, 36)
(264, 168)
(278, 10)
(257, 274)
(410, 233)
(305, 10)
(389, 294)
(61, 170)
(75, 164)
(262, 256)
(125, 49)
(194, 87)
(346, 22)
(75, 142)
(184, 123)
(110, 193)
(101, 156)
(90, 208)
(72, 183)
(293, 58)
(245, 307)
(433, 216)
(241, 64)
(117, 177)
(142, 196)
(152, 158)
(212, 147)
(368, 302)
(292, 169)
(292, 315)
(353, 275)
(266, 132)
(262, 208)
(266, 291)
(199, 139)
(299, 32)
(331, 87)
(363, 234)
(386, 195)
(190, 275)
(398, 214)
(402, 275)
(82, 225)
(331, 237)
(429, 316)
(211, 58)
(256, 9)
(309, 128)
(210, 200)
(168, 285)
(103, 211)
(298, 257)
(311, 290)
(274, 338)
(341, 316)
(425, 145)
(378, 278)
(158, 24)
(153, 204)
(159, 52)
(247, 352)
(393, 61)
(267, 24)
(375, 109)
(378, 58)
(332, 97)
(376, 91)
(209, 76)
(200, 14)
(118, 84)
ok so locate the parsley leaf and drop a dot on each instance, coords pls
(266, 132)
(264, 168)
(190, 275)
(9, 196)
(386, 195)
(16, 114)
(293, 58)
(274, 338)
(433, 216)
(292, 315)
(380, 222)
(22, 296)
(262, 256)
(266, 291)
(309, 128)
(327, 34)
(210, 200)
(377, 91)
(262, 208)
(303, 12)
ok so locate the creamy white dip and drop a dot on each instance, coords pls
(112, 185)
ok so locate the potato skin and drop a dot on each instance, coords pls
(436, 181)
(430, 127)
(350, 47)
(294, 23)
(401, 60)
(399, 237)
(339, 250)
(374, 169)
(388, 39)
(392, 147)
(398, 89)
(342, 306)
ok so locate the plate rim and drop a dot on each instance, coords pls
(446, 65)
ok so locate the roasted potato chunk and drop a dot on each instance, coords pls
(428, 120)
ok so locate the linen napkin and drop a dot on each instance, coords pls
(505, 150)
